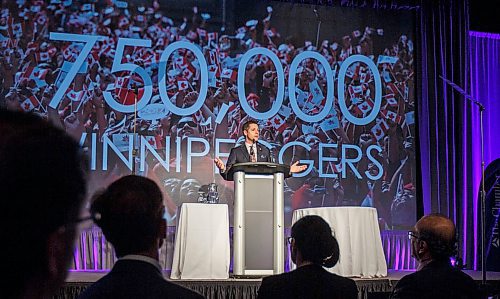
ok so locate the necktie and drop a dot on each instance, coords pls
(252, 155)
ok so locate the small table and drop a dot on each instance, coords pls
(357, 231)
(201, 249)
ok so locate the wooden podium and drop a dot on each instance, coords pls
(258, 233)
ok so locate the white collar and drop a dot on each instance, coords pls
(142, 258)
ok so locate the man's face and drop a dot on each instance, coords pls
(252, 133)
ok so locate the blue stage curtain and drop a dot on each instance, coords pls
(484, 59)
(444, 117)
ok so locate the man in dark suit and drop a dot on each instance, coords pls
(130, 214)
(433, 242)
(251, 151)
(312, 247)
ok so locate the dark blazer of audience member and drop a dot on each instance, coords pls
(42, 184)
(433, 242)
(130, 214)
(244, 152)
(312, 247)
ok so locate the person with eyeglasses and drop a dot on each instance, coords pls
(313, 247)
(130, 214)
(433, 242)
(43, 186)
(251, 151)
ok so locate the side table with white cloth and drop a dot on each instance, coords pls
(201, 249)
(357, 231)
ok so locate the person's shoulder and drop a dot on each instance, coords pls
(446, 272)
(405, 287)
(432, 279)
(340, 278)
(408, 279)
(102, 289)
(346, 283)
(338, 286)
(278, 281)
(238, 147)
(274, 286)
(463, 275)
(276, 278)
(98, 289)
(465, 281)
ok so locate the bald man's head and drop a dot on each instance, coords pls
(439, 233)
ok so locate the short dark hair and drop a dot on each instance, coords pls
(247, 124)
(315, 242)
(129, 212)
(43, 183)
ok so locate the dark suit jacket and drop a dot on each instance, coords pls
(136, 279)
(311, 281)
(240, 154)
(436, 280)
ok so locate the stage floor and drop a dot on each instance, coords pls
(378, 288)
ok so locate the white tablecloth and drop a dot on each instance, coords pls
(201, 248)
(357, 231)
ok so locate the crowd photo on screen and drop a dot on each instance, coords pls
(128, 101)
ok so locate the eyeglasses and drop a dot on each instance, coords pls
(412, 235)
(289, 240)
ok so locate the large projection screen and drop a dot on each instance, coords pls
(161, 88)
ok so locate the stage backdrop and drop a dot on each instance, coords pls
(161, 88)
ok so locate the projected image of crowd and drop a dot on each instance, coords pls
(34, 67)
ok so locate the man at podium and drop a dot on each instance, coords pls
(251, 151)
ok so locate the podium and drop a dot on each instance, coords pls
(258, 232)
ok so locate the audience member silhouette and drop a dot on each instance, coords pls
(312, 247)
(130, 214)
(433, 242)
(43, 185)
